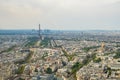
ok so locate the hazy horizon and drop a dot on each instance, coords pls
(60, 15)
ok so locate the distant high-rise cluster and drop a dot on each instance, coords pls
(40, 36)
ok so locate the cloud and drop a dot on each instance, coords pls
(60, 14)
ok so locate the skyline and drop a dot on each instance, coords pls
(60, 15)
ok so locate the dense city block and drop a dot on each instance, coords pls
(60, 55)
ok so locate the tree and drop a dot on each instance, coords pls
(76, 67)
(49, 70)
(97, 60)
(36, 70)
(117, 55)
(21, 69)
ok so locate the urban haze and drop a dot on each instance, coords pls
(59, 40)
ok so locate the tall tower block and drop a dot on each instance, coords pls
(40, 32)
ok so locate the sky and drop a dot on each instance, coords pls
(60, 14)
